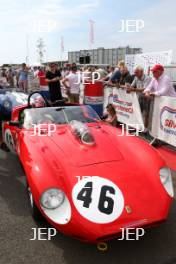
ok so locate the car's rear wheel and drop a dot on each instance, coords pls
(36, 214)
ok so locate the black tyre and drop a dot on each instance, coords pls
(36, 214)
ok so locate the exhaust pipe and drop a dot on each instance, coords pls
(102, 246)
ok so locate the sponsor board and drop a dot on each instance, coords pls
(164, 120)
(93, 100)
(126, 105)
(148, 60)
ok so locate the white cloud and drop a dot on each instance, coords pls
(19, 19)
(160, 28)
(65, 15)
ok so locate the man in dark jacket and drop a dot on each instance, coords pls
(126, 78)
(53, 78)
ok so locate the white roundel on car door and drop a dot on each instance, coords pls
(97, 199)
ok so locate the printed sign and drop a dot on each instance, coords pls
(93, 100)
(128, 108)
(164, 119)
(147, 60)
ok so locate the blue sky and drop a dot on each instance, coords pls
(70, 19)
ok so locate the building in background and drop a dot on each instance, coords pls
(58, 62)
(101, 55)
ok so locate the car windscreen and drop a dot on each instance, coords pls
(84, 114)
(58, 115)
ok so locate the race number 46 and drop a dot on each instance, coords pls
(97, 199)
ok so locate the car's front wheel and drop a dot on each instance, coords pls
(36, 214)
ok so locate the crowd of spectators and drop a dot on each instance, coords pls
(146, 86)
(55, 79)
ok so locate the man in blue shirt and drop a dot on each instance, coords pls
(115, 77)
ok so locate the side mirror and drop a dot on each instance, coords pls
(14, 123)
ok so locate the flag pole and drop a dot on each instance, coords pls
(27, 49)
(62, 48)
(91, 33)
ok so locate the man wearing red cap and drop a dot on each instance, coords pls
(160, 85)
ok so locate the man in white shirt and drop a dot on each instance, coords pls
(72, 84)
(140, 82)
(161, 84)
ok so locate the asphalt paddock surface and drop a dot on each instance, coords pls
(158, 246)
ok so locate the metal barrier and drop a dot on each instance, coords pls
(126, 105)
(162, 118)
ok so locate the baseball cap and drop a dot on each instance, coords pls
(157, 67)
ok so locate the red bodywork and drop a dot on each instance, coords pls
(128, 162)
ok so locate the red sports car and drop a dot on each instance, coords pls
(86, 179)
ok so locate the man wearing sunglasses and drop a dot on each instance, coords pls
(53, 77)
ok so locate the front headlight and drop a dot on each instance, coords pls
(166, 180)
(56, 206)
(52, 199)
(7, 104)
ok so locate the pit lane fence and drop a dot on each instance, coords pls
(162, 118)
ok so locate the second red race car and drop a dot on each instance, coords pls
(83, 176)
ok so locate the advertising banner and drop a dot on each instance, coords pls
(164, 119)
(147, 60)
(127, 107)
(108, 96)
